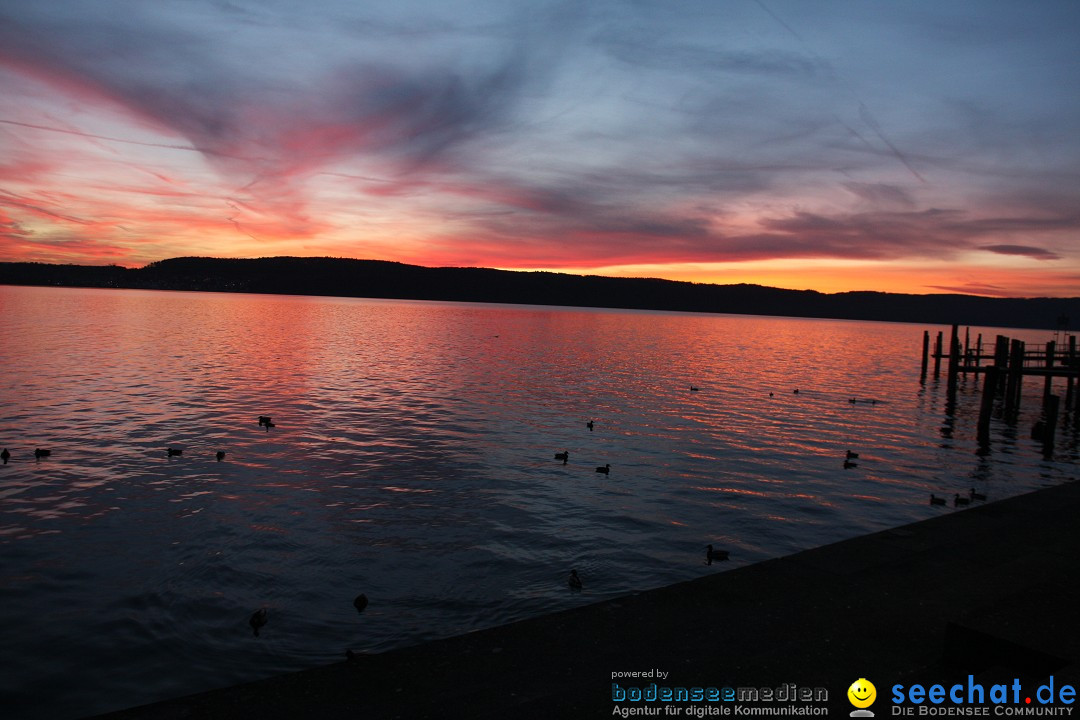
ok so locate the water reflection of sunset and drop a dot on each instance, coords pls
(406, 430)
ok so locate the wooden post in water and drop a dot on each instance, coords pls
(987, 407)
(1070, 362)
(1015, 379)
(937, 356)
(1001, 359)
(967, 348)
(925, 355)
(1051, 412)
(1048, 387)
(954, 358)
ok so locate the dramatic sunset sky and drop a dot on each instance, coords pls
(908, 145)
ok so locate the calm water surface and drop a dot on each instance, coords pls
(412, 460)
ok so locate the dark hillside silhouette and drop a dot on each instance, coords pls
(380, 279)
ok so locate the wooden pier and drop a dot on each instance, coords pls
(1004, 365)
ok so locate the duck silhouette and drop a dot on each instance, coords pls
(960, 501)
(935, 500)
(263, 420)
(606, 469)
(174, 452)
(977, 496)
(5, 456)
(360, 602)
(220, 455)
(711, 554)
(259, 618)
(589, 425)
(574, 581)
(41, 452)
(564, 456)
(693, 389)
(852, 455)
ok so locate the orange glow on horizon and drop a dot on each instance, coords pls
(828, 277)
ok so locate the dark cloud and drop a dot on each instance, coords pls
(1026, 250)
(236, 109)
(421, 117)
(994, 225)
(612, 234)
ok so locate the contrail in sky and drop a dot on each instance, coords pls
(864, 112)
(777, 19)
(868, 118)
(18, 201)
(189, 148)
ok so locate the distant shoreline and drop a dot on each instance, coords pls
(338, 277)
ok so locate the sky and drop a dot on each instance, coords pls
(909, 146)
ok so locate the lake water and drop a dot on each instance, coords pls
(413, 460)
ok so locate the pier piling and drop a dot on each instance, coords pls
(1006, 367)
(987, 408)
(937, 356)
(1001, 360)
(1051, 420)
(1070, 396)
(954, 358)
(1015, 379)
(1048, 386)
(926, 356)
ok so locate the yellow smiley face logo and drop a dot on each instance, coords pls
(862, 693)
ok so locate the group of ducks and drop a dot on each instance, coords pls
(265, 421)
(177, 452)
(39, 453)
(574, 580)
(958, 499)
(565, 454)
